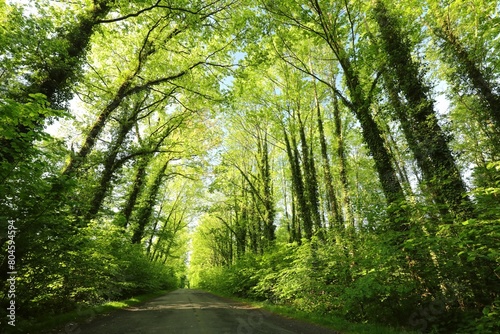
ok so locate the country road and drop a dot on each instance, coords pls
(187, 311)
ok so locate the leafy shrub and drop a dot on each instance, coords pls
(96, 265)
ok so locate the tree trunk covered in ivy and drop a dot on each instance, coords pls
(425, 137)
(303, 208)
(342, 163)
(146, 208)
(470, 69)
(264, 167)
(55, 81)
(310, 178)
(335, 216)
(110, 166)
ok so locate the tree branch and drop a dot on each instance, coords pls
(130, 15)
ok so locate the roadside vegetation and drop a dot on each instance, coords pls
(340, 158)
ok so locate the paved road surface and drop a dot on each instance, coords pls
(187, 311)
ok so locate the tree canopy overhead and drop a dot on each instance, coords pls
(290, 151)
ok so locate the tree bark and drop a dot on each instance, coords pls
(310, 178)
(477, 78)
(424, 135)
(346, 197)
(109, 169)
(145, 211)
(137, 187)
(57, 80)
(335, 217)
(298, 185)
(266, 184)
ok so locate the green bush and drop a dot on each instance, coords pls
(97, 265)
(430, 283)
(442, 278)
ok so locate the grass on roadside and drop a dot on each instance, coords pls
(69, 321)
(330, 321)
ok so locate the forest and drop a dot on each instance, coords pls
(339, 157)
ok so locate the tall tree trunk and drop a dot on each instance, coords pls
(145, 211)
(335, 217)
(137, 187)
(143, 163)
(372, 135)
(165, 224)
(360, 106)
(240, 229)
(346, 197)
(257, 222)
(253, 230)
(245, 217)
(304, 213)
(399, 108)
(266, 181)
(289, 202)
(153, 231)
(109, 169)
(126, 89)
(176, 228)
(424, 135)
(466, 64)
(89, 142)
(57, 80)
(296, 227)
(398, 161)
(310, 179)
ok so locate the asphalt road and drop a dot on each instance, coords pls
(186, 311)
